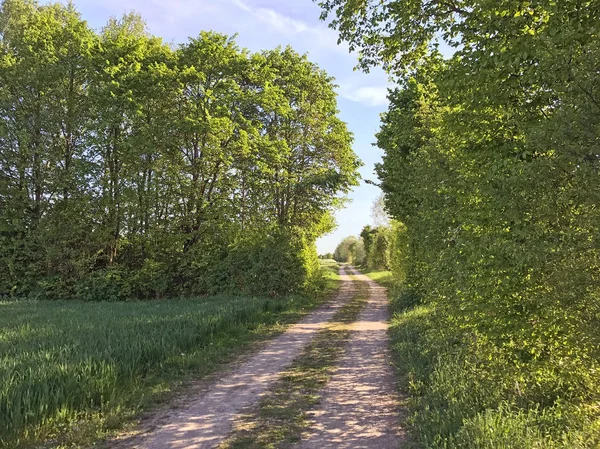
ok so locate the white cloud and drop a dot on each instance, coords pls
(240, 4)
(282, 23)
(368, 95)
(276, 21)
(320, 35)
(320, 40)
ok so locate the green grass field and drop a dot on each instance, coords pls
(71, 372)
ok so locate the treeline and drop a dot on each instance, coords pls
(375, 246)
(132, 169)
(350, 250)
(492, 162)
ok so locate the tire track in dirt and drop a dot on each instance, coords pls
(207, 421)
(359, 406)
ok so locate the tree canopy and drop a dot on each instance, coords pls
(129, 168)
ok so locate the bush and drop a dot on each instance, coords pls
(274, 262)
(110, 284)
(278, 263)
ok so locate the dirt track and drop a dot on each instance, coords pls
(358, 408)
(206, 421)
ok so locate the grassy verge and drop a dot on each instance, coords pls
(73, 372)
(330, 269)
(280, 418)
(382, 277)
(463, 394)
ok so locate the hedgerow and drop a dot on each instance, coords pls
(491, 164)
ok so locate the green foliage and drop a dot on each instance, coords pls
(351, 250)
(75, 370)
(376, 242)
(368, 235)
(490, 162)
(461, 395)
(129, 169)
(399, 252)
(278, 264)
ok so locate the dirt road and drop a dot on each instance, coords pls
(207, 420)
(358, 406)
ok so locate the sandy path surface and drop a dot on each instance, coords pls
(359, 407)
(206, 421)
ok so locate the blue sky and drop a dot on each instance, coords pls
(264, 24)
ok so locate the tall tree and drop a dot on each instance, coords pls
(43, 100)
(177, 170)
(312, 163)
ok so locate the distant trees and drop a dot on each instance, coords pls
(131, 169)
(373, 247)
(376, 242)
(350, 250)
(326, 256)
